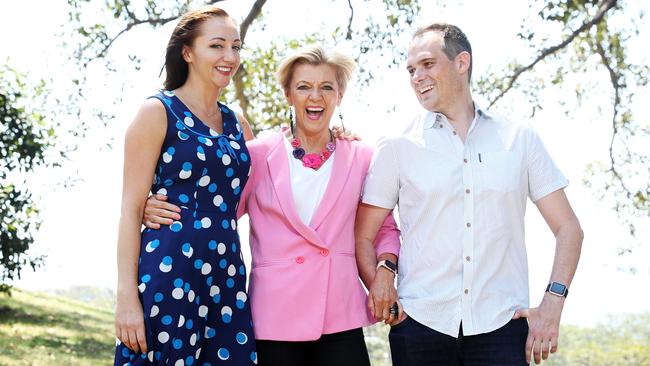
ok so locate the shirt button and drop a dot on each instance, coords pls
(300, 260)
(466, 291)
(468, 258)
(469, 224)
(465, 161)
(455, 133)
(439, 126)
(467, 191)
(324, 252)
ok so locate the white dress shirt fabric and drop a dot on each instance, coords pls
(308, 185)
(461, 208)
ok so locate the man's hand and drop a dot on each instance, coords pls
(158, 212)
(382, 294)
(544, 327)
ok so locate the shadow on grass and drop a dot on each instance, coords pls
(84, 348)
(37, 316)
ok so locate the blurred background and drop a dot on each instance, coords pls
(74, 72)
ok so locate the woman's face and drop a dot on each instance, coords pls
(314, 93)
(214, 54)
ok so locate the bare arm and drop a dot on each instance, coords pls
(248, 132)
(544, 321)
(141, 149)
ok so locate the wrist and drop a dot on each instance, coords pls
(387, 265)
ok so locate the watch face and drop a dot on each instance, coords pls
(558, 288)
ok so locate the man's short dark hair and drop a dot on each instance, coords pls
(455, 41)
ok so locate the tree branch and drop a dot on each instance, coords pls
(349, 35)
(602, 10)
(256, 9)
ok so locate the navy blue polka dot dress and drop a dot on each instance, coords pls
(192, 278)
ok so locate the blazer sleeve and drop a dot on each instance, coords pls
(387, 239)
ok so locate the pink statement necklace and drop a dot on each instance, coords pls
(312, 160)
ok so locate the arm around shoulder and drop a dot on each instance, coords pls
(246, 127)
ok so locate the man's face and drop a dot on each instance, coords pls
(434, 77)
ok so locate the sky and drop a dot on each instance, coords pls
(79, 228)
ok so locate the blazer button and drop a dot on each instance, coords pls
(324, 252)
(300, 260)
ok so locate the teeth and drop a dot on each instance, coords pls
(224, 69)
(425, 89)
(311, 109)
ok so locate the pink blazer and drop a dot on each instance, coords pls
(304, 280)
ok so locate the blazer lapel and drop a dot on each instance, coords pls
(279, 172)
(343, 161)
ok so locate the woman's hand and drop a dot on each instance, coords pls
(129, 323)
(340, 133)
(159, 212)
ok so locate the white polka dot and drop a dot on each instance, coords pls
(164, 267)
(177, 293)
(162, 191)
(154, 311)
(142, 287)
(189, 121)
(203, 311)
(150, 356)
(190, 296)
(193, 340)
(184, 174)
(235, 145)
(241, 296)
(225, 159)
(233, 224)
(166, 157)
(163, 337)
(181, 321)
(200, 156)
(232, 270)
(226, 310)
(208, 142)
(198, 353)
(179, 362)
(206, 268)
(221, 248)
(218, 200)
(204, 181)
(235, 183)
(214, 133)
(214, 290)
(206, 222)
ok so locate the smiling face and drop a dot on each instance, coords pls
(314, 93)
(436, 80)
(214, 54)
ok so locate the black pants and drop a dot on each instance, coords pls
(413, 344)
(346, 348)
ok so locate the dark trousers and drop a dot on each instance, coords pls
(346, 348)
(413, 344)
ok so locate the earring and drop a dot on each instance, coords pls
(291, 124)
(341, 118)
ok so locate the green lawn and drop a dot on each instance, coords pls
(40, 329)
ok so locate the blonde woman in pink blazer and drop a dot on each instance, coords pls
(308, 304)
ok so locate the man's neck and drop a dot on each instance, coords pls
(460, 115)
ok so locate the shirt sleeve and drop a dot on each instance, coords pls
(544, 177)
(382, 182)
(387, 239)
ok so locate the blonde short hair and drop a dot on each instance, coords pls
(344, 66)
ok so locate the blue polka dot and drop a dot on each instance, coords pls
(177, 343)
(166, 320)
(183, 136)
(202, 139)
(223, 263)
(212, 245)
(189, 360)
(189, 324)
(229, 172)
(230, 283)
(243, 157)
(240, 304)
(158, 297)
(209, 281)
(225, 110)
(211, 333)
(125, 352)
(167, 260)
(241, 338)
(200, 150)
(197, 224)
(226, 318)
(233, 247)
(216, 298)
(171, 150)
(219, 153)
(176, 227)
(254, 356)
(225, 224)
(212, 187)
(198, 263)
(223, 353)
(187, 114)
(242, 270)
(186, 288)
(223, 207)
(157, 355)
(168, 183)
(187, 247)
(183, 198)
(154, 244)
(146, 278)
(178, 282)
(180, 125)
(236, 190)
(187, 166)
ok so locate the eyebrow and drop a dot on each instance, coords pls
(223, 39)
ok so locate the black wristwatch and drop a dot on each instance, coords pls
(557, 289)
(388, 265)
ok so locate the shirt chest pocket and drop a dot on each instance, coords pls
(499, 171)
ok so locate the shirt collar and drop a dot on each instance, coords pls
(431, 118)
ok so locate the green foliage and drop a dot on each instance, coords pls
(24, 139)
(39, 329)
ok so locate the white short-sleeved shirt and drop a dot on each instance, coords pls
(461, 208)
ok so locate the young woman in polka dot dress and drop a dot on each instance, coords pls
(181, 290)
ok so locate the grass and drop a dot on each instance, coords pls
(40, 329)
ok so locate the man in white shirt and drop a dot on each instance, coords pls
(461, 177)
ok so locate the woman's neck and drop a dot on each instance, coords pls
(200, 95)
